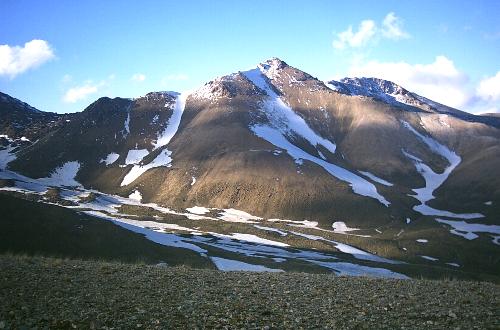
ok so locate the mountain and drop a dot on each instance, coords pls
(275, 156)
(392, 93)
(19, 119)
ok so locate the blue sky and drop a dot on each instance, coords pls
(62, 55)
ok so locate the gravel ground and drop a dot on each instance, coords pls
(54, 293)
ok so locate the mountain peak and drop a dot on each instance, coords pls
(273, 64)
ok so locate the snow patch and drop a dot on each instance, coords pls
(110, 159)
(469, 230)
(359, 185)
(340, 227)
(281, 116)
(432, 179)
(136, 195)
(232, 215)
(429, 258)
(254, 239)
(376, 178)
(453, 264)
(229, 265)
(274, 230)
(193, 180)
(63, 175)
(135, 156)
(198, 210)
(421, 240)
(163, 159)
(6, 156)
(173, 122)
(355, 252)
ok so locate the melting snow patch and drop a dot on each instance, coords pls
(429, 258)
(173, 122)
(63, 176)
(488, 203)
(348, 269)
(293, 223)
(359, 185)
(6, 156)
(163, 159)
(453, 264)
(408, 220)
(254, 239)
(340, 227)
(110, 159)
(136, 195)
(469, 230)
(127, 122)
(355, 252)
(135, 156)
(157, 237)
(432, 179)
(232, 215)
(229, 265)
(281, 115)
(376, 178)
(421, 240)
(198, 210)
(282, 233)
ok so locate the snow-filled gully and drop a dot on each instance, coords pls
(432, 179)
(163, 158)
(284, 122)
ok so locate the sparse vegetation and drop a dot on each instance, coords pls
(55, 293)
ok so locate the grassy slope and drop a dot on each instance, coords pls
(40, 229)
(44, 292)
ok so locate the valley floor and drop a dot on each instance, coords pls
(62, 293)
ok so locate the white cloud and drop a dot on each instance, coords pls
(393, 27)
(365, 32)
(15, 60)
(76, 94)
(489, 88)
(138, 77)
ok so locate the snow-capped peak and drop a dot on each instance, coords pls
(272, 67)
(374, 87)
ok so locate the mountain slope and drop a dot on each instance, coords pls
(278, 143)
(19, 119)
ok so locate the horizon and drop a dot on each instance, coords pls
(61, 57)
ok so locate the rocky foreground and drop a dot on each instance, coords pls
(54, 293)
